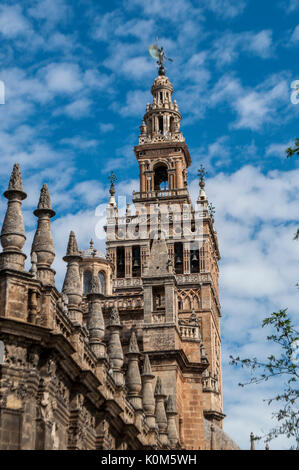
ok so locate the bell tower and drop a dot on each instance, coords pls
(164, 253)
(162, 154)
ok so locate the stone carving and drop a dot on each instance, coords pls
(15, 355)
(47, 407)
(15, 181)
(44, 200)
(114, 316)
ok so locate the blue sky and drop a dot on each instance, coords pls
(77, 78)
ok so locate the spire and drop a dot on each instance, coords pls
(115, 351)
(171, 421)
(13, 231)
(133, 346)
(72, 285)
(160, 412)
(133, 378)
(43, 244)
(72, 246)
(148, 400)
(95, 320)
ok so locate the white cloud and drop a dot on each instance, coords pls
(295, 34)
(52, 11)
(12, 21)
(226, 8)
(135, 103)
(106, 127)
(254, 107)
(77, 108)
(63, 77)
(227, 48)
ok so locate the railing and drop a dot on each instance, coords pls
(127, 282)
(163, 193)
(159, 318)
(136, 302)
(210, 384)
(194, 278)
(189, 332)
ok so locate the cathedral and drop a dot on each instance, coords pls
(128, 355)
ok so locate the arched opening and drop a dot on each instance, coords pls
(120, 253)
(161, 124)
(136, 264)
(194, 261)
(172, 124)
(161, 177)
(86, 282)
(101, 276)
(178, 258)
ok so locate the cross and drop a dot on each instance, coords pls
(202, 172)
(112, 178)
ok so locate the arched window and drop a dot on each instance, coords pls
(2, 352)
(161, 176)
(102, 282)
(86, 282)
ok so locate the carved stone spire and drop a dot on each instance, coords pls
(133, 378)
(43, 244)
(115, 351)
(171, 421)
(160, 412)
(148, 400)
(13, 232)
(95, 321)
(72, 285)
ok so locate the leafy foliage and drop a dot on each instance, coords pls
(293, 151)
(286, 366)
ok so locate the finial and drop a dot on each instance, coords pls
(171, 407)
(72, 247)
(95, 287)
(114, 317)
(158, 387)
(267, 447)
(133, 346)
(44, 203)
(147, 369)
(91, 244)
(112, 178)
(15, 181)
(202, 173)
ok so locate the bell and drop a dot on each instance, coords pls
(194, 258)
(136, 263)
(178, 260)
(120, 262)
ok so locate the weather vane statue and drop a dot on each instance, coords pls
(159, 54)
